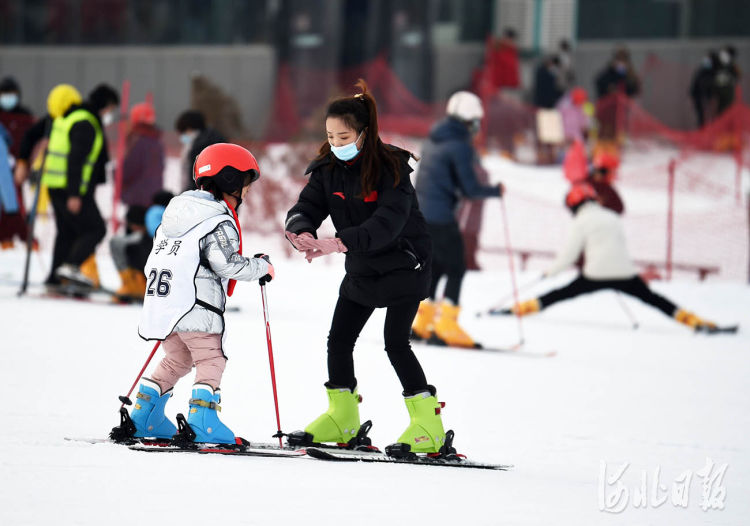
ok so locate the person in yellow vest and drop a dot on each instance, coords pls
(74, 164)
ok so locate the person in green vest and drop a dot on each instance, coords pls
(73, 166)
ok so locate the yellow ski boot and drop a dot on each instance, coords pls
(423, 325)
(89, 269)
(526, 307)
(448, 331)
(693, 321)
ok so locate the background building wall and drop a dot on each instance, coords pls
(247, 73)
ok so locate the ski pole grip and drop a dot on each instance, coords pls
(265, 279)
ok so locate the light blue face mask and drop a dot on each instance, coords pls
(186, 138)
(8, 101)
(346, 152)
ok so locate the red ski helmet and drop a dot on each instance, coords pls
(578, 96)
(142, 112)
(228, 165)
(606, 164)
(579, 193)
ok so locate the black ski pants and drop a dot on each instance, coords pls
(77, 234)
(634, 286)
(349, 318)
(447, 259)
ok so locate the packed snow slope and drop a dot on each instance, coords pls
(658, 397)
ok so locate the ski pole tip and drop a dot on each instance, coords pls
(125, 400)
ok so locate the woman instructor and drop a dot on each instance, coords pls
(363, 184)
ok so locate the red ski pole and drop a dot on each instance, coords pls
(512, 268)
(126, 399)
(264, 298)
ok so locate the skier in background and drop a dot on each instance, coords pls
(448, 171)
(130, 252)
(597, 233)
(364, 185)
(74, 165)
(195, 260)
(16, 119)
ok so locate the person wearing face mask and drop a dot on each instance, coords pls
(617, 78)
(364, 186)
(16, 120)
(73, 166)
(449, 170)
(194, 135)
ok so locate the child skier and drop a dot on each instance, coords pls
(195, 260)
(597, 233)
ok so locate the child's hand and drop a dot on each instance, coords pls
(271, 273)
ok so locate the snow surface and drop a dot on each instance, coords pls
(656, 397)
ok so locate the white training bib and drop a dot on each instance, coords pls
(170, 279)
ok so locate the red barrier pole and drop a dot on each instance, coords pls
(670, 218)
(120, 153)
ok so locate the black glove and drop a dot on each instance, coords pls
(268, 277)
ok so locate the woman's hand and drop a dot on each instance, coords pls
(320, 247)
(293, 238)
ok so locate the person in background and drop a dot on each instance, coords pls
(546, 88)
(143, 165)
(194, 137)
(130, 252)
(597, 234)
(618, 76)
(155, 212)
(565, 73)
(726, 77)
(74, 163)
(575, 122)
(505, 68)
(702, 90)
(448, 171)
(16, 119)
(547, 93)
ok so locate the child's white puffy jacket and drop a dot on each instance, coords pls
(218, 259)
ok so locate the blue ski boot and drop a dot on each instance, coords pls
(148, 413)
(204, 419)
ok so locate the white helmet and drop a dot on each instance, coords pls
(465, 106)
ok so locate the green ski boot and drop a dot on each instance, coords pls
(340, 424)
(425, 433)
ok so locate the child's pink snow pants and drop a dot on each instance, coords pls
(183, 349)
